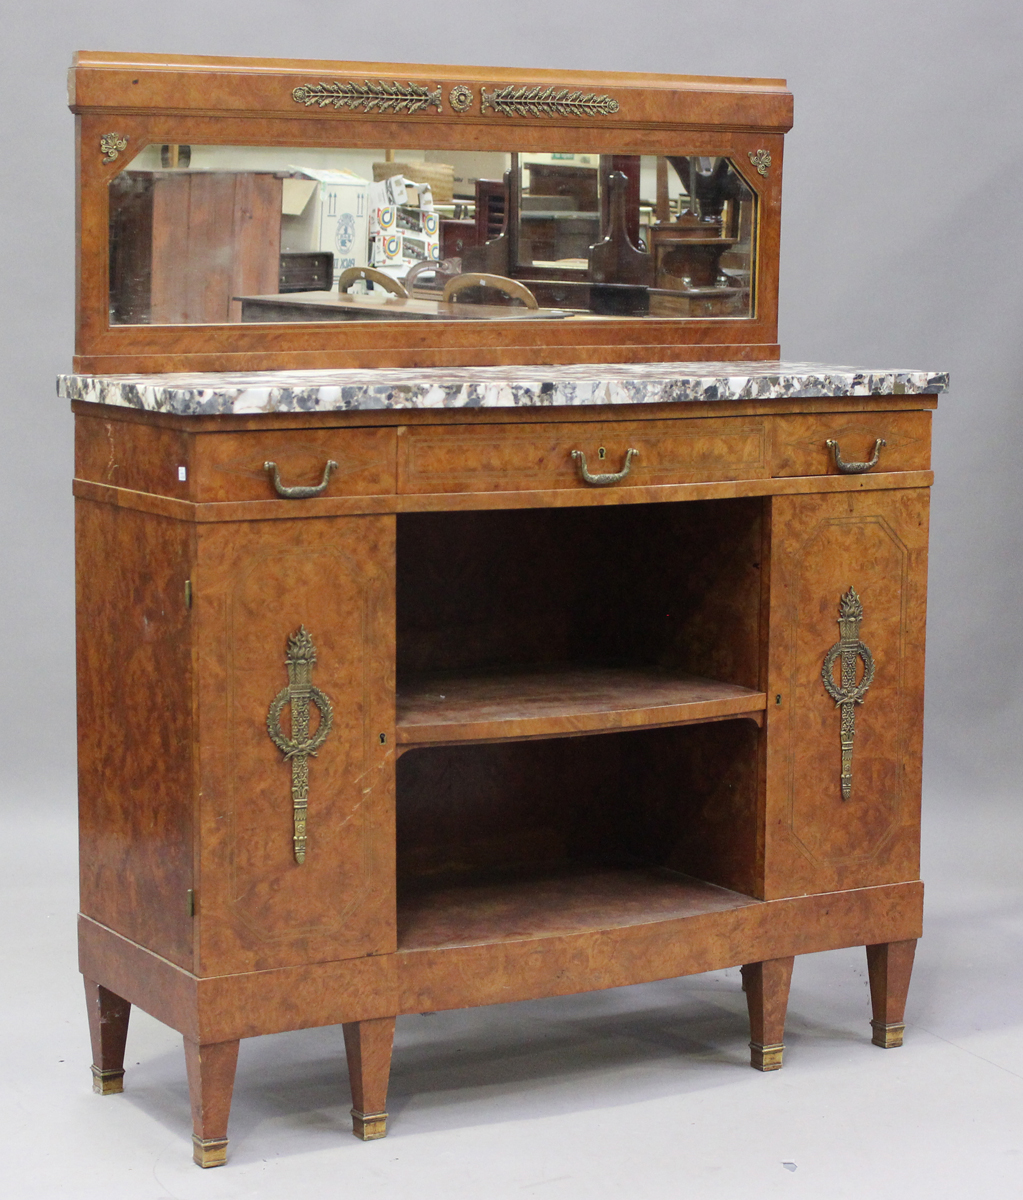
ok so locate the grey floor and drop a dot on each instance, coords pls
(639, 1092)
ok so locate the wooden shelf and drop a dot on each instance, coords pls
(570, 899)
(560, 701)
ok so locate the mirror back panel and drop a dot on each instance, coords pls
(263, 214)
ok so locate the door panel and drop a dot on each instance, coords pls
(871, 549)
(257, 585)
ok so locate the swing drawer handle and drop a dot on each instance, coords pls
(603, 480)
(300, 492)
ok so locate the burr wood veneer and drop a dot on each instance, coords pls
(578, 736)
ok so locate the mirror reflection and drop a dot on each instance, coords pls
(217, 234)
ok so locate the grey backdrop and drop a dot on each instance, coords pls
(901, 246)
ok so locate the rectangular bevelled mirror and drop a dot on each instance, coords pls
(212, 234)
(252, 213)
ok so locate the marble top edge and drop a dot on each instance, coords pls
(211, 393)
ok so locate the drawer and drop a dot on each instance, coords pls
(229, 466)
(799, 444)
(210, 466)
(497, 458)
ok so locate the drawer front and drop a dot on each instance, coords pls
(499, 458)
(229, 466)
(799, 444)
(126, 454)
(209, 467)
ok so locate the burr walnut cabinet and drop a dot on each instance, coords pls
(442, 676)
(544, 735)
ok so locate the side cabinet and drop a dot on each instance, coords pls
(848, 587)
(647, 730)
(257, 585)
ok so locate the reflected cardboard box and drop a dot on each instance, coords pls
(399, 248)
(401, 233)
(414, 201)
(327, 210)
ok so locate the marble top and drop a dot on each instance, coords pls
(489, 387)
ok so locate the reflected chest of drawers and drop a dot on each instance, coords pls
(491, 691)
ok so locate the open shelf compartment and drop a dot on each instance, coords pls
(518, 906)
(518, 631)
(561, 701)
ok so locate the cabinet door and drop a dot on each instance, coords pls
(257, 585)
(865, 553)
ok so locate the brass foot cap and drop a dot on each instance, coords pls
(107, 1082)
(369, 1126)
(766, 1058)
(209, 1152)
(887, 1036)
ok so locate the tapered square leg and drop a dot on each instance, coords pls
(108, 1030)
(368, 1045)
(766, 985)
(211, 1071)
(889, 966)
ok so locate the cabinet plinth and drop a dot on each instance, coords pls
(541, 737)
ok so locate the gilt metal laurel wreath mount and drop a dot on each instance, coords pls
(369, 96)
(846, 696)
(515, 100)
(300, 746)
(546, 102)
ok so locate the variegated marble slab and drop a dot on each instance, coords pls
(489, 387)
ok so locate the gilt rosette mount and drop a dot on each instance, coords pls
(300, 746)
(846, 651)
(369, 96)
(460, 97)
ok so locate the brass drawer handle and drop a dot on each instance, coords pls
(855, 468)
(603, 480)
(300, 493)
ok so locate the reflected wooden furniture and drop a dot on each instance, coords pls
(491, 209)
(456, 236)
(437, 274)
(160, 222)
(580, 736)
(306, 271)
(353, 275)
(322, 306)
(477, 283)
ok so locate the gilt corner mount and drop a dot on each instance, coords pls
(111, 145)
(761, 159)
